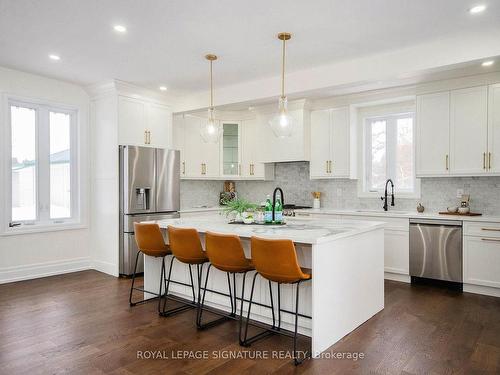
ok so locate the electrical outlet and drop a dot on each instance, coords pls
(460, 192)
(339, 192)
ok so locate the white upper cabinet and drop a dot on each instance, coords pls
(199, 160)
(330, 139)
(144, 123)
(159, 123)
(293, 148)
(131, 121)
(230, 149)
(469, 131)
(494, 129)
(320, 144)
(251, 144)
(433, 134)
(340, 139)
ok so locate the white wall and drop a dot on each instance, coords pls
(27, 256)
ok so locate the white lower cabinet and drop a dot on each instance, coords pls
(396, 246)
(482, 261)
(397, 252)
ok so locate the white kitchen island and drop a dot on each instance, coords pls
(347, 262)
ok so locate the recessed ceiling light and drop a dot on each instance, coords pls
(163, 88)
(120, 28)
(54, 57)
(477, 9)
(488, 63)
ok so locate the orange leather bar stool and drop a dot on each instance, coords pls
(276, 261)
(226, 254)
(186, 247)
(149, 242)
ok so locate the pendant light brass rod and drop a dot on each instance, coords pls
(211, 85)
(283, 71)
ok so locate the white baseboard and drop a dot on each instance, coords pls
(479, 289)
(397, 277)
(35, 271)
(105, 267)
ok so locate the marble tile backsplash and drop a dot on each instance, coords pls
(293, 178)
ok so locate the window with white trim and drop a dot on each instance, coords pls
(389, 153)
(42, 175)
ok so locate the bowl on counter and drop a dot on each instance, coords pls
(452, 209)
(463, 210)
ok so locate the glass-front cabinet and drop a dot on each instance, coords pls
(231, 149)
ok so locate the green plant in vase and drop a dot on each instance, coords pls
(239, 208)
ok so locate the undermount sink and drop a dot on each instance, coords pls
(382, 212)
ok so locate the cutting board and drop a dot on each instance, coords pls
(459, 214)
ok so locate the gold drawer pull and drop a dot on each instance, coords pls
(491, 239)
(484, 160)
(491, 229)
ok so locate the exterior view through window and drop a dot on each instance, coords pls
(389, 152)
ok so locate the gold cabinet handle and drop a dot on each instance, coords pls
(183, 167)
(447, 162)
(149, 137)
(331, 166)
(491, 239)
(491, 229)
(484, 160)
(489, 160)
(202, 169)
(205, 169)
(251, 170)
(326, 167)
(145, 137)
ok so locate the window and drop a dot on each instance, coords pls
(389, 153)
(43, 175)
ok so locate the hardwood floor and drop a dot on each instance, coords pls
(81, 323)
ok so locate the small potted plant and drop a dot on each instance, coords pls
(239, 209)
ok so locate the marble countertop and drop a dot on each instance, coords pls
(371, 213)
(398, 214)
(299, 230)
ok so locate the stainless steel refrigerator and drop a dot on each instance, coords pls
(149, 190)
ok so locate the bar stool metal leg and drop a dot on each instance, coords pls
(296, 360)
(201, 306)
(185, 306)
(132, 287)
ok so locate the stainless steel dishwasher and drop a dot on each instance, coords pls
(436, 250)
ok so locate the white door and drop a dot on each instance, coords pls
(320, 144)
(340, 140)
(160, 125)
(482, 261)
(131, 121)
(494, 129)
(469, 130)
(433, 130)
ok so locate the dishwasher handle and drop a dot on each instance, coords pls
(451, 223)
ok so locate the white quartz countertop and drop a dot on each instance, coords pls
(397, 214)
(299, 230)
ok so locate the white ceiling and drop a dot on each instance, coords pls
(166, 40)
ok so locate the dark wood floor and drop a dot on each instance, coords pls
(81, 323)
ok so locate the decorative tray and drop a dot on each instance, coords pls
(268, 224)
(459, 214)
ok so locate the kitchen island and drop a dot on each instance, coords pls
(347, 263)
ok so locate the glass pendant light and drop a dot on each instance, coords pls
(211, 130)
(282, 122)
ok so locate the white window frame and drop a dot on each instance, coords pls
(365, 190)
(43, 221)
